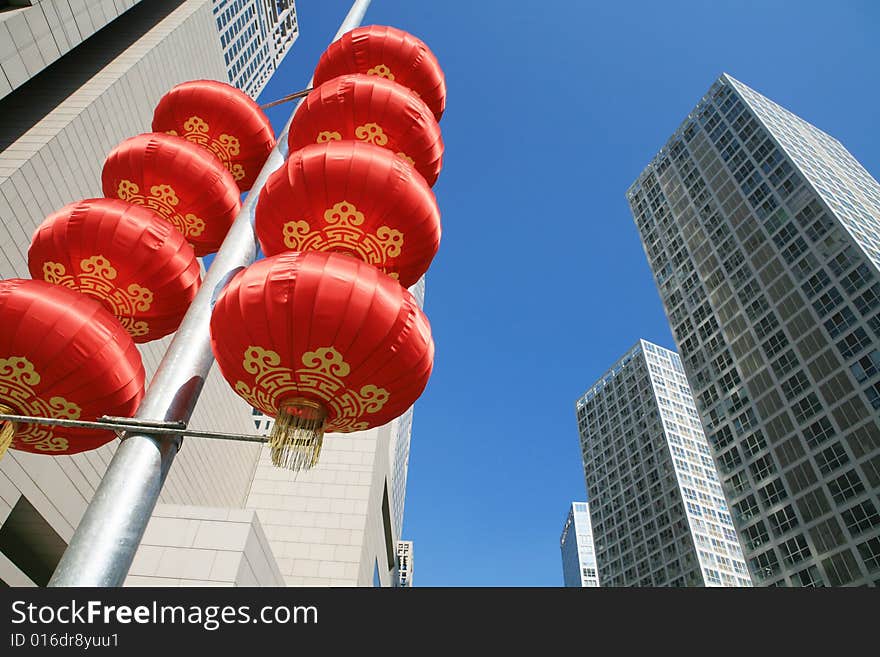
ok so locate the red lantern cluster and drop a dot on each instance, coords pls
(322, 334)
(123, 269)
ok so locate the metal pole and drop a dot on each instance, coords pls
(104, 544)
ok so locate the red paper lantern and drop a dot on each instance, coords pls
(324, 342)
(126, 256)
(388, 53)
(355, 198)
(180, 181)
(375, 110)
(222, 119)
(62, 355)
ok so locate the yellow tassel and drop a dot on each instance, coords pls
(296, 438)
(7, 431)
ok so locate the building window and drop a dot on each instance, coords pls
(756, 535)
(818, 432)
(765, 564)
(762, 467)
(783, 520)
(861, 517)
(809, 578)
(845, 486)
(806, 407)
(841, 568)
(831, 458)
(870, 551)
(795, 550)
(773, 492)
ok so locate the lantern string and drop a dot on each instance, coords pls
(7, 431)
(287, 98)
(298, 434)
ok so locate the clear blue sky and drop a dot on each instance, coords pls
(541, 282)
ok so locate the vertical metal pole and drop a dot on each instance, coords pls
(104, 544)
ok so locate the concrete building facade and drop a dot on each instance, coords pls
(763, 234)
(35, 33)
(57, 128)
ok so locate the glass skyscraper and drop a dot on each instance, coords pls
(762, 233)
(659, 517)
(255, 36)
(576, 545)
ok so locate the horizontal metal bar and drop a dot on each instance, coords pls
(144, 423)
(120, 425)
(287, 98)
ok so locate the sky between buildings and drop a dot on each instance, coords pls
(554, 108)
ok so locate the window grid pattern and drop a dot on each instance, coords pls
(774, 306)
(659, 516)
(255, 37)
(578, 552)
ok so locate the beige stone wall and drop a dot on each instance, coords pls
(201, 546)
(325, 526)
(31, 38)
(59, 160)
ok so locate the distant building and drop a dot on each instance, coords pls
(659, 517)
(404, 564)
(255, 36)
(576, 544)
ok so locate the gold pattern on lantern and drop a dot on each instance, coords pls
(17, 380)
(322, 376)
(328, 135)
(404, 156)
(225, 147)
(342, 232)
(95, 279)
(382, 71)
(371, 133)
(162, 200)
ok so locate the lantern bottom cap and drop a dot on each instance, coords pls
(296, 438)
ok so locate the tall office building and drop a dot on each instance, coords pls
(659, 517)
(255, 36)
(763, 234)
(576, 545)
(401, 434)
(226, 516)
